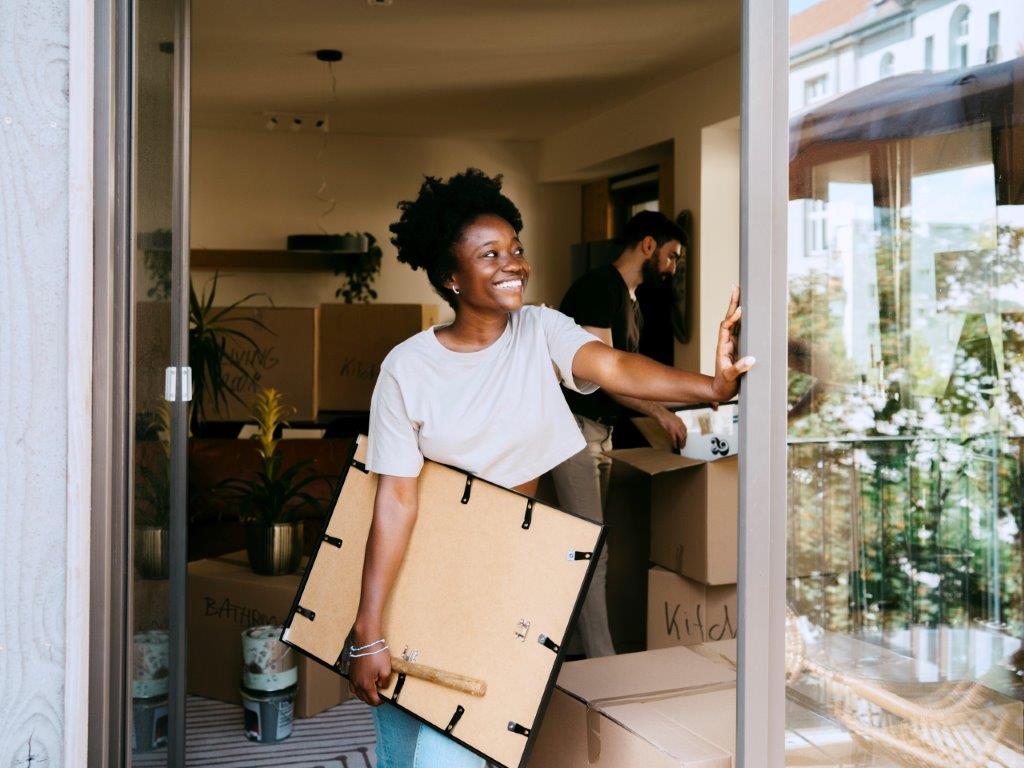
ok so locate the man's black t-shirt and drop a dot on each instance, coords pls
(601, 299)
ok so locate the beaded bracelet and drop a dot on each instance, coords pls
(364, 647)
(368, 653)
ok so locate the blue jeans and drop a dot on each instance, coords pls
(404, 742)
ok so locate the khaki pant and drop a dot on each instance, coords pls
(582, 486)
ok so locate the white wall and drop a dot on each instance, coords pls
(678, 111)
(720, 233)
(250, 189)
(34, 162)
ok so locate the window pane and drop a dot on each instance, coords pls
(906, 401)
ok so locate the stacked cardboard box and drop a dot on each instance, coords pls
(681, 611)
(323, 357)
(670, 708)
(225, 598)
(628, 544)
(694, 511)
(354, 340)
(285, 358)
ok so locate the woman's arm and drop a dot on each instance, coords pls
(672, 424)
(623, 373)
(394, 515)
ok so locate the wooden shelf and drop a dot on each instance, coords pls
(267, 260)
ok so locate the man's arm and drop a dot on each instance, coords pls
(669, 421)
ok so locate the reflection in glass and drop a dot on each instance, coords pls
(906, 409)
(151, 478)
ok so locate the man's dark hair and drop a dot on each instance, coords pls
(434, 222)
(651, 224)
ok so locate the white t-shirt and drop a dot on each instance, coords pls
(497, 413)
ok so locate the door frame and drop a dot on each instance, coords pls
(762, 502)
(109, 729)
(764, 191)
(177, 609)
(110, 568)
(81, 95)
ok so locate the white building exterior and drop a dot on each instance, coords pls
(834, 236)
(894, 38)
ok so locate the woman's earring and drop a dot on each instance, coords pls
(455, 290)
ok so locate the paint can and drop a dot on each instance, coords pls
(267, 663)
(149, 689)
(268, 714)
(149, 724)
(270, 678)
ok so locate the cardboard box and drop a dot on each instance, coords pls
(694, 512)
(593, 717)
(628, 541)
(711, 434)
(669, 708)
(354, 340)
(718, 651)
(286, 360)
(225, 597)
(681, 611)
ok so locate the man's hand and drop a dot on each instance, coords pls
(674, 426)
(727, 369)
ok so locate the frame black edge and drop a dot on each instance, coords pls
(320, 539)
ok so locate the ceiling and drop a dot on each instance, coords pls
(510, 69)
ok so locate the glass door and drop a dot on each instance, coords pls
(905, 443)
(159, 385)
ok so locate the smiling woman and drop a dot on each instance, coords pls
(482, 394)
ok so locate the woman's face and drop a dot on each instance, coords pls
(491, 268)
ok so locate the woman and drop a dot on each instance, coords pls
(481, 394)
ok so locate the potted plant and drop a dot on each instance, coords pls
(359, 270)
(268, 503)
(152, 492)
(209, 329)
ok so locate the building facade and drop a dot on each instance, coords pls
(839, 46)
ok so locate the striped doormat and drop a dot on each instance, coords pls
(341, 737)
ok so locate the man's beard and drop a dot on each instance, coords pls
(649, 272)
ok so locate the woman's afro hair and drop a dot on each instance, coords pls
(432, 223)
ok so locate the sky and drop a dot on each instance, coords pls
(795, 6)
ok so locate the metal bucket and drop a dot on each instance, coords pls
(149, 724)
(268, 715)
(274, 550)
